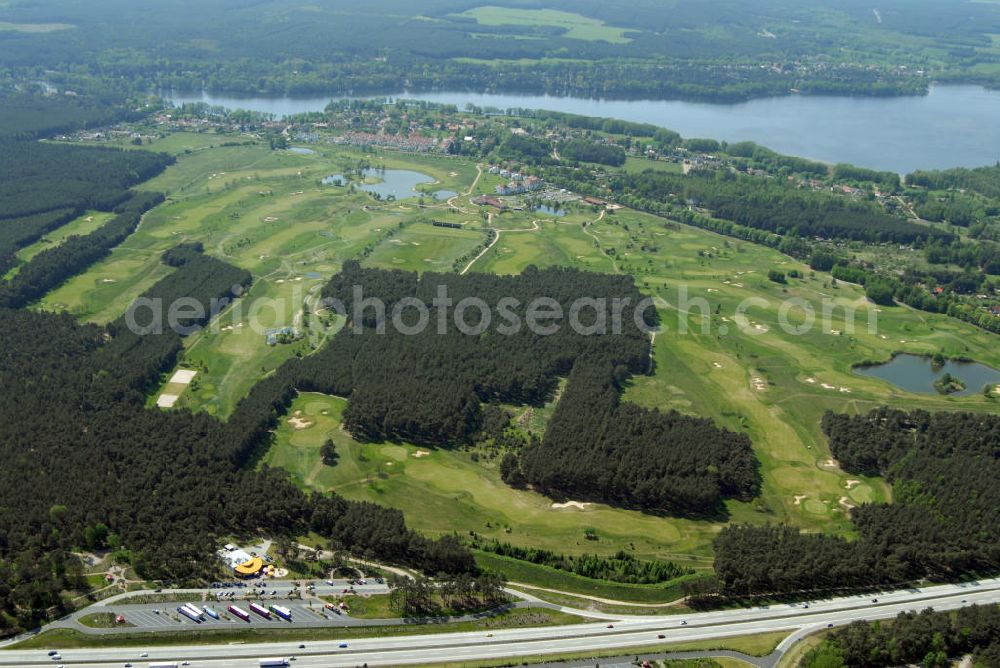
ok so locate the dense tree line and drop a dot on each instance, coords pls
(601, 449)
(582, 150)
(772, 207)
(774, 162)
(440, 378)
(36, 176)
(458, 594)
(44, 186)
(983, 180)
(88, 466)
(944, 521)
(29, 113)
(619, 567)
(928, 638)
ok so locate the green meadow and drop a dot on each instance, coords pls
(575, 25)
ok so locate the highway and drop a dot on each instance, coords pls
(630, 633)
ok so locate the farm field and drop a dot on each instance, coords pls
(576, 25)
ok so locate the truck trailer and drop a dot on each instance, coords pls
(239, 612)
(260, 610)
(269, 663)
(282, 612)
(211, 613)
(189, 613)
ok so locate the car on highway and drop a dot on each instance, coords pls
(343, 645)
(660, 636)
(611, 626)
(684, 623)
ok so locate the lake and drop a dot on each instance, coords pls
(952, 126)
(398, 183)
(915, 373)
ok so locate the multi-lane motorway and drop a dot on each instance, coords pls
(627, 632)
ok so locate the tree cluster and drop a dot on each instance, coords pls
(929, 638)
(944, 521)
(619, 567)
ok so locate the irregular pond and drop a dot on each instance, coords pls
(398, 183)
(915, 373)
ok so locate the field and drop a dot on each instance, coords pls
(85, 224)
(728, 347)
(773, 384)
(34, 27)
(266, 211)
(575, 25)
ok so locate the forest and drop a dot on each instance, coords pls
(45, 185)
(52, 266)
(928, 638)
(582, 150)
(429, 387)
(597, 448)
(724, 51)
(88, 466)
(771, 207)
(943, 524)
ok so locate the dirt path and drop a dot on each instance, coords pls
(614, 265)
(496, 237)
(596, 599)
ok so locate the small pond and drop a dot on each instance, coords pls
(398, 183)
(915, 373)
(301, 150)
(443, 194)
(334, 180)
(550, 210)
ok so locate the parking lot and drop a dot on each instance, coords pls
(307, 607)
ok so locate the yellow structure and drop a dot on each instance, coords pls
(249, 568)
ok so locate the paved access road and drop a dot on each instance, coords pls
(632, 632)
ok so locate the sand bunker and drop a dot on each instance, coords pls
(716, 365)
(846, 503)
(299, 423)
(167, 400)
(183, 376)
(799, 498)
(571, 504)
(421, 453)
(850, 484)
(811, 381)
